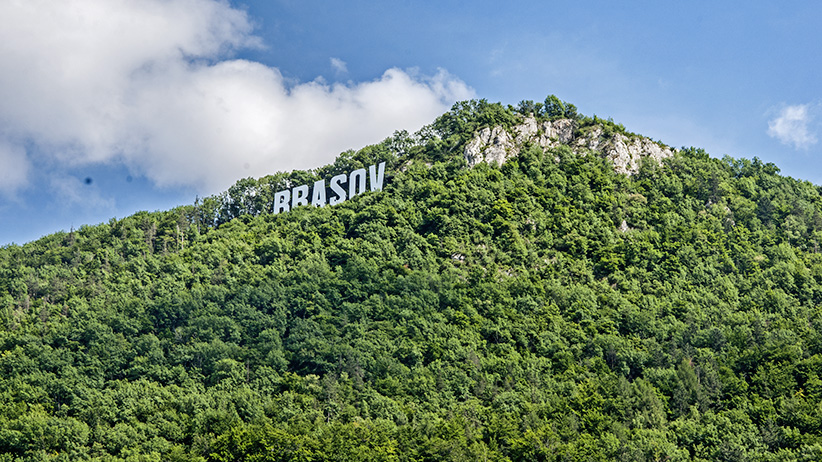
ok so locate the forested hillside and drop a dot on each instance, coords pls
(545, 309)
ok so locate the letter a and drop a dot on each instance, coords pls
(318, 196)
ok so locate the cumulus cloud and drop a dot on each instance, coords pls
(214, 124)
(791, 126)
(149, 83)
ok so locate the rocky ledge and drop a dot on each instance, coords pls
(496, 145)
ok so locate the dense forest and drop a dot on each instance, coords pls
(545, 309)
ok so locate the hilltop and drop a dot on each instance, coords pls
(527, 284)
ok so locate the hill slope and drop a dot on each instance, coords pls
(548, 308)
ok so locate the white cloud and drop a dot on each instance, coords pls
(209, 124)
(14, 167)
(145, 82)
(339, 65)
(71, 191)
(791, 126)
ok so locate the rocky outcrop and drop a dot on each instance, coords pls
(491, 145)
(496, 145)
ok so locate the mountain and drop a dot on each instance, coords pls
(509, 283)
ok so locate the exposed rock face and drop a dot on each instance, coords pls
(496, 145)
(491, 146)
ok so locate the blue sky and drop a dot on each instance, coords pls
(108, 108)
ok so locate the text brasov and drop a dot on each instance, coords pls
(303, 195)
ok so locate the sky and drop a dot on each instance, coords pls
(112, 107)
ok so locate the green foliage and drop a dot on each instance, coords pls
(457, 126)
(555, 108)
(494, 313)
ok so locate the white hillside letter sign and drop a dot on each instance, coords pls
(317, 195)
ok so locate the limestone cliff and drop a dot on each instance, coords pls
(496, 145)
